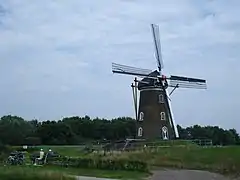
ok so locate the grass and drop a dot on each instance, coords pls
(50, 172)
(102, 173)
(225, 160)
(73, 151)
(76, 151)
(171, 143)
(20, 173)
(183, 155)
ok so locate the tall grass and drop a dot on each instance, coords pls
(175, 154)
(31, 174)
(225, 160)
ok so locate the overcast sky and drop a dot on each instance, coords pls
(56, 57)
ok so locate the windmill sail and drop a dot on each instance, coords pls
(170, 113)
(129, 70)
(186, 82)
(157, 46)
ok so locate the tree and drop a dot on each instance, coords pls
(15, 130)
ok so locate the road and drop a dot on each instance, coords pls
(174, 175)
(186, 175)
(91, 178)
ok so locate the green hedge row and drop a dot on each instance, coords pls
(99, 163)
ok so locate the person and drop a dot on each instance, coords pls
(49, 154)
(41, 155)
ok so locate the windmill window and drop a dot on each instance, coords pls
(165, 133)
(140, 131)
(141, 116)
(163, 116)
(160, 98)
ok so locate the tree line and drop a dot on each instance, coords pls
(75, 130)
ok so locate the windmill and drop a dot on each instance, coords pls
(153, 113)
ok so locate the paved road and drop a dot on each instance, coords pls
(186, 175)
(91, 178)
(174, 175)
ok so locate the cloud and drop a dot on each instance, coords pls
(56, 56)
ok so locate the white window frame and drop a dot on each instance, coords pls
(140, 131)
(160, 98)
(141, 116)
(163, 116)
(165, 129)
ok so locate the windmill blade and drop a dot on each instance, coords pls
(157, 45)
(186, 82)
(168, 96)
(129, 70)
(170, 114)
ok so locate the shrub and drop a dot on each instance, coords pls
(100, 163)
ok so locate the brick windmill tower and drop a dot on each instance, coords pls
(153, 112)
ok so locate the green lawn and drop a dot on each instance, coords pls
(73, 151)
(26, 173)
(59, 172)
(225, 160)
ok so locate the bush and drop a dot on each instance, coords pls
(4, 152)
(99, 163)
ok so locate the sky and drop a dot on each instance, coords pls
(56, 55)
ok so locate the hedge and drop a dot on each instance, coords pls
(99, 163)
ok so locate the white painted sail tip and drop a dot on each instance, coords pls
(173, 120)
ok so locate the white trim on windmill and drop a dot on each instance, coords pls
(172, 117)
(141, 116)
(151, 88)
(160, 98)
(163, 116)
(140, 131)
(165, 134)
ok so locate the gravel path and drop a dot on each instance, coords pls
(186, 175)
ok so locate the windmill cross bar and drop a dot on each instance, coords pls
(140, 72)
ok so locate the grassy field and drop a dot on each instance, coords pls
(224, 160)
(56, 173)
(27, 173)
(76, 151)
(73, 151)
